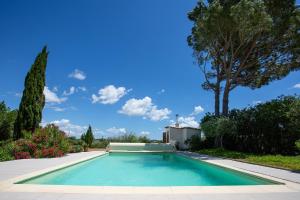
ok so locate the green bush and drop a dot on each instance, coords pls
(100, 144)
(269, 128)
(130, 138)
(7, 119)
(6, 151)
(298, 145)
(194, 143)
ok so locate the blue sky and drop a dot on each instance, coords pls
(117, 65)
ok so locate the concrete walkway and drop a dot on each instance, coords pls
(12, 169)
(273, 172)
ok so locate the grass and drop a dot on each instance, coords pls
(278, 161)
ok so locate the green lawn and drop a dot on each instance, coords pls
(279, 161)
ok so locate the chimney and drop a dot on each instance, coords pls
(177, 123)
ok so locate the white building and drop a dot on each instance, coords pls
(177, 136)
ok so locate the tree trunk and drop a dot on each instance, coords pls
(217, 93)
(226, 98)
(217, 100)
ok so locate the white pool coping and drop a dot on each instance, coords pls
(9, 186)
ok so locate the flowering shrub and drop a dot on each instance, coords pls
(47, 142)
(22, 155)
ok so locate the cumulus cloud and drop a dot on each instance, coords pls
(51, 97)
(68, 127)
(116, 131)
(198, 110)
(145, 108)
(186, 122)
(70, 92)
(77, 74)
(109, 94)
(297, 86)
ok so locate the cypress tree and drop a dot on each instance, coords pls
(33, 99)
(89, 137)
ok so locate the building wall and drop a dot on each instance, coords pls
(178, 136)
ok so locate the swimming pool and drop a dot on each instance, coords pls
(146, 169)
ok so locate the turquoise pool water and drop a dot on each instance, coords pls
(146, 169)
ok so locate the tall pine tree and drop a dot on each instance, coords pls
(33, 99)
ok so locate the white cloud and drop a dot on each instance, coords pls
(69, 128)
(186, 122)
(70, 92)
(145, 108)
(145, 133)
(116, 131)
(297, 86)
(161, 91)
(57, 109)
(77, 74)
(158, 114)
(198, 110)
(51, 97)
(109, 94)
(137, 107)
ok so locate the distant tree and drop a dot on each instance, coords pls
(7, 119)
(33, 100)
(88, 137)
(247, 43)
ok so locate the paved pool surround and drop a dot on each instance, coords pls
(14, 171)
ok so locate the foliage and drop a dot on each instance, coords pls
(47, 142)
(51, 136)
(100, 143)
(33, 100)
(77, 145)
(217, 128)
(88, 137)
(268, 128)
(194, 143)
(130, 138)
(6, 150)
(298, 145)
(7, 119)
(245, 43)
(280, 161)
(219, 152)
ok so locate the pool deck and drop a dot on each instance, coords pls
(12, 171)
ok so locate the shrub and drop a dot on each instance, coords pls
(22, 155)
(269, 128)
(76, 148)
(7, 119)
(194, 143)
(101, 144)
(7, 151)
(51, 152)
(216, 128)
